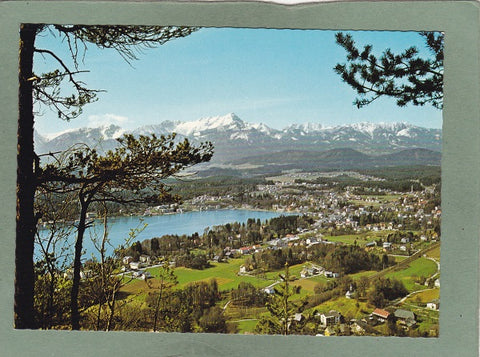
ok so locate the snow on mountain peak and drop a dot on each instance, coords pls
(262, 128)
(407, 132)
(108, 131)
(111, 131)
(312, 127)
(225, 122)
(232, 127)
(370, 128)
(305, 128)
(164, 128)
(51, 136)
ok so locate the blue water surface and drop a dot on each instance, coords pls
(157, 226)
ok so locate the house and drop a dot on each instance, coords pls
(433, 305)
(405, 317)
(310, 240)
(330, 274)
(138, 273)
(371, 244)
(257, 248)
(145, 259)
(387, 245)
(349, 294)
(331, 318)
(127, 259)
(298, 317)
(135, 265)
(306, 272)
(437, 283)
(279, 243)
(146, 275)
(269, 290)
(246, 250)
(381, 314)
(243, 269)
(403, 248)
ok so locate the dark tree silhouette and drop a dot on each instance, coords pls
(282, 309)
(406, 77)
(49, 90)
(131, 173)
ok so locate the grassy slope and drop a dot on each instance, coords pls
(434, 253)
(246, 326)
(420, 267)
(227, 278)
(424, 296)
(226, 275)
(347, 307)
(361, 239)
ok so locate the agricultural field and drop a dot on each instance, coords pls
(426, 319)
(347, 239)
(349, 308)
(434, 253)
(244, 319)
(399, 258)
(366, 273)
(424, 296)
(246, 326)
(419, 268)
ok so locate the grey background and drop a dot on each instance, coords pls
(460, 173)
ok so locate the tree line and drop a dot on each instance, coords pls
(213, 241)
(89, 178)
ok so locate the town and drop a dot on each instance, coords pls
(361, 258)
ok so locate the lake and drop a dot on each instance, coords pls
(157, 226)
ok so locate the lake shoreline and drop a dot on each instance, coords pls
(157, 226)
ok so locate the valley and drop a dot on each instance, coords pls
(351, 242)
(386, 236)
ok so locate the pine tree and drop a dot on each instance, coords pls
(282, 309)
(406, 77)
(48, 90)
(131, 173)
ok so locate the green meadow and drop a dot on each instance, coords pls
(226, 275)
(350, 308)
(424, 296)
(243, 319)
(416, 269)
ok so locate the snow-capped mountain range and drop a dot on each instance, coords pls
(234, 138)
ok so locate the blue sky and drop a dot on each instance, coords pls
(277, 77)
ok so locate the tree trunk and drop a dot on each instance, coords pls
(47, 322)
(157, 306)
(77, 265)
(99, 312)
(112, 310)
(26, 184)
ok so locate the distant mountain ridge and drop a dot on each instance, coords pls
(235, 139)
(341, 159)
